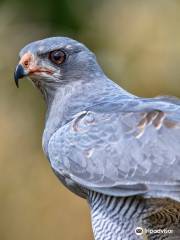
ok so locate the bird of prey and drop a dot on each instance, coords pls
(119, 151)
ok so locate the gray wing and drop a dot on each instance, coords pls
(122, 150)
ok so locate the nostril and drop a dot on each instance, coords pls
(26, 63)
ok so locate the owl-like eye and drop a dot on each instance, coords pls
(57, 57)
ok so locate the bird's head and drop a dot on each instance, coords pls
(51, 62)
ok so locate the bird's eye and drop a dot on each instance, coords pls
(57, 56)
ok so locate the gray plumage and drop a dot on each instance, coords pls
(119, 151)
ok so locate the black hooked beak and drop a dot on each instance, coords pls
(19, 73)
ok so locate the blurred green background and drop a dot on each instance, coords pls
(138, 45)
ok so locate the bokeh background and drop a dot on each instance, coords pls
(138, 45)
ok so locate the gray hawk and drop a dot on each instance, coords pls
(119, 151)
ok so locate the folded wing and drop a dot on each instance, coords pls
(122, 150)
